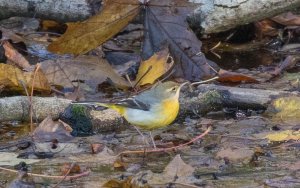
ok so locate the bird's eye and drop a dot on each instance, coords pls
(174, 89)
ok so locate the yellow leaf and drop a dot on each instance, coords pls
(153, 68)
(284, 136)
(11, 77)
(288, 109)
(81, 37)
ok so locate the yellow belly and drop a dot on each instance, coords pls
(157, 117)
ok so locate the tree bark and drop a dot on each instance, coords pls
(212, 16)
(18, 108)
(221, 15)
(59, 10)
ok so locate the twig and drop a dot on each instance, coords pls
(31, 95)
(128, 79)
(205, 81)
(67, 178)
(216, 46)
(170, 148)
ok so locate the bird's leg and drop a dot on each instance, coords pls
(152, 139)
(144, 139)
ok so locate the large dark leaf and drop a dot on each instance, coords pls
(165, 23)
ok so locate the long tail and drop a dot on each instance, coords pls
(117, 108)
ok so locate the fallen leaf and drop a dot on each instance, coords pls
(88, 69)
(287, 19)
(178, 168)
(266, 27)
(286, 109)
(49, 130)
(8, 34)
(288, 63)
(119, 165)
(75, 168)
(283, 136)
(11, 78)
(106, 156)
(177, 171)
(13, 55)
(153, 68)
(165, 22)
(81, 37)
(228, 76)
(97, 148)
(236, 154)
(119, 183)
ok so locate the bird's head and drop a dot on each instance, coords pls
(168, 89)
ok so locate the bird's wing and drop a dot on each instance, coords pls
(133, 102)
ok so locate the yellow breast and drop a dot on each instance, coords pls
(170, 111)
(159, 115)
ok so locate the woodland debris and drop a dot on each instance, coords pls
(221, 15)
(206, 98)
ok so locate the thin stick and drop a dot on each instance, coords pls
(170, 148)
(31, 95)
(67, 178)
(205, 81)
(216, 46)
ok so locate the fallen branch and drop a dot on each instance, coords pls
(221, 15)
(60, 10)
(18, 108)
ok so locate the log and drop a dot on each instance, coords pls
(221, 15)
(210, 97)
(59, 10)
(211, 16)
(205, 98)
(18, 108)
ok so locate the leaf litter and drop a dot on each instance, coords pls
(205, 156)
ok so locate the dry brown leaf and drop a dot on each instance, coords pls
(9, 34)
(13, 55)
(11, 77)
(81, 37)
(287, 19)
(88, 69)
(153, 68)
(177, 171)
(49, 130)
(266, 27)
(119, 183)
(165, 23)
(288, 63)
(228, 76)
